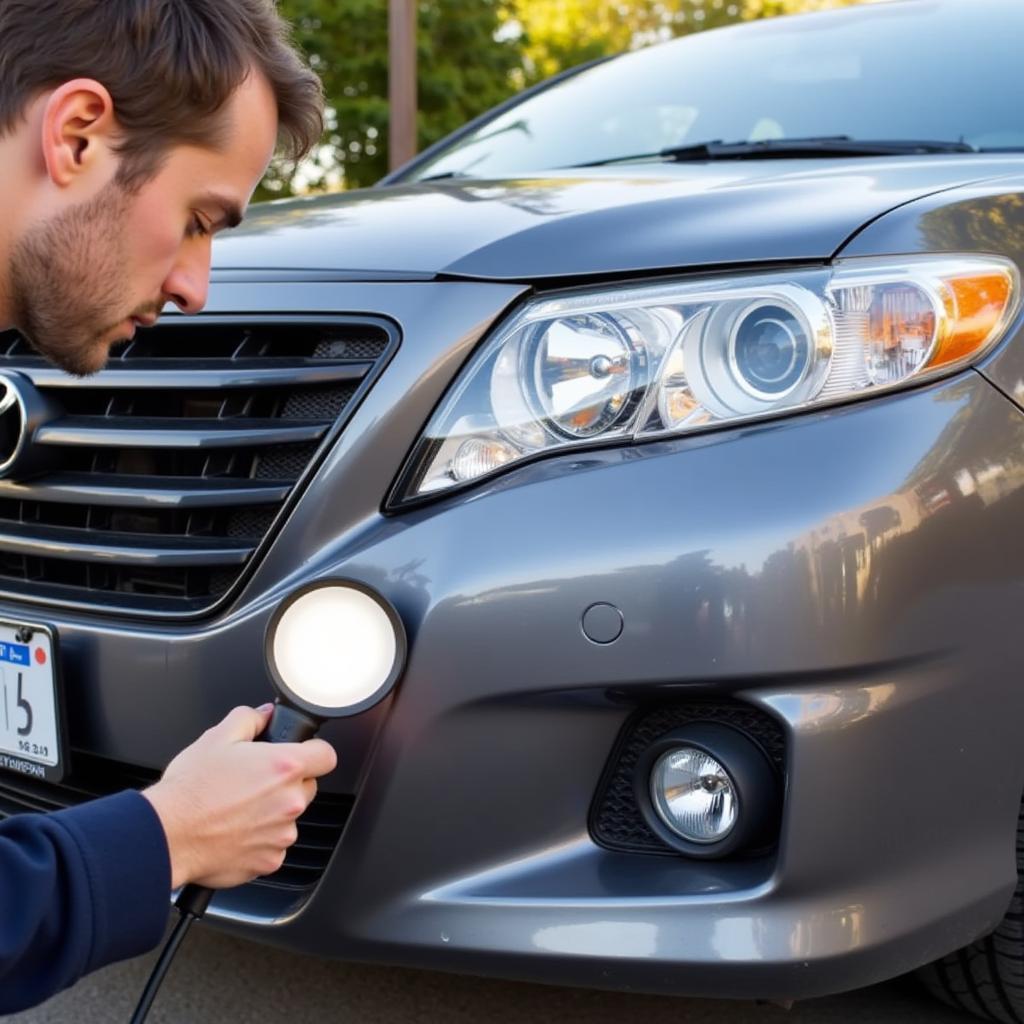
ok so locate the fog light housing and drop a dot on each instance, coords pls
(707, 790)
(694, 795)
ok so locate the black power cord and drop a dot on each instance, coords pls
(286, 725)
(157, 977)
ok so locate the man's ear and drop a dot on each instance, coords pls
(78, 130)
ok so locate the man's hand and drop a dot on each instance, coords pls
(228, 805)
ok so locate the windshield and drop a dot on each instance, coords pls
(916, 69)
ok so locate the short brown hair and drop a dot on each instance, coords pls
(170, 66)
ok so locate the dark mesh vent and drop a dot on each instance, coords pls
(250, 523)
(319, 827)
(615, 819)
(317, 404)
(284, 462)
(220, 582)
(351, 348)
(167, 469)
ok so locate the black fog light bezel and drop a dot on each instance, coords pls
(754, 779)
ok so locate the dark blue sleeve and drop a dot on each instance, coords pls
(79, 889)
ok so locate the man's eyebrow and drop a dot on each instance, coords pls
(232, 211)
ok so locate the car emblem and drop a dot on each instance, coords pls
(22, 411)
(12, 423)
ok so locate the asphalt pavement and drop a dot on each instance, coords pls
(223, 979)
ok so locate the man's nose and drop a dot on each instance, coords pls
(188, 283)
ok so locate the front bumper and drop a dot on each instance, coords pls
(853, 572)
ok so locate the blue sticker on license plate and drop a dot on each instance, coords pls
(31, 710)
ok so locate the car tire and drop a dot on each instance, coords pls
(986, 978)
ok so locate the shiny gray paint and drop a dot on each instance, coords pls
(501, 680)
(467, 848)
(600, 221)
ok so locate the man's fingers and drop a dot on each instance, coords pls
(318, 757)
(244, 724)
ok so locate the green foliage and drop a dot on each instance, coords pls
(557, 34)
(771, 8)
(462, 71)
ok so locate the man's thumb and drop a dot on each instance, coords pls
(242, 724)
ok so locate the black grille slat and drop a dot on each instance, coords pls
(193, 374)
(307, 858)
(292, 877)
(93, 777)
(314, 826)
(315, 841)
(24, 802)
(169, 603)
(122, 548)
(167, 472)
(145, 492)
(71, 792)
(130, 432)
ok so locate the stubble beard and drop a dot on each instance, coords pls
(68, 277)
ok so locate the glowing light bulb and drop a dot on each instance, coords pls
(336, 647)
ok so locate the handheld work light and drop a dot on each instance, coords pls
(334, 648)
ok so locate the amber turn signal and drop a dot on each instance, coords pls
(976, 309)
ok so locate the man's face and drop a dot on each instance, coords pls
(86, 277)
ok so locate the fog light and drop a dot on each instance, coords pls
(694, 795)
(708, 790)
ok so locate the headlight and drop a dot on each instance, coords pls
(583, 373)
(643, 362)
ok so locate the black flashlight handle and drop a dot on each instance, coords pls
(289, 725)
(286, 725)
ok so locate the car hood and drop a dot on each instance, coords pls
(598, 221)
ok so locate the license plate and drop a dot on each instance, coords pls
(31, 705)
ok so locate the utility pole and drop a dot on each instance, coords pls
(402, 81)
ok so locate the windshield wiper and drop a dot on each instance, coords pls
(440, 177)
(785, 149)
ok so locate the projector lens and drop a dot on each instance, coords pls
(771, 351)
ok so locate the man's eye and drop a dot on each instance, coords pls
(197, 229)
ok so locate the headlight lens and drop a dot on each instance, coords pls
(582, 373)
(639, 362)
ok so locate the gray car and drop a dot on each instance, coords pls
(676, 407)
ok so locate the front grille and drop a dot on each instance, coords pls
(319, 827)
(168, 471)
(615, 818)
